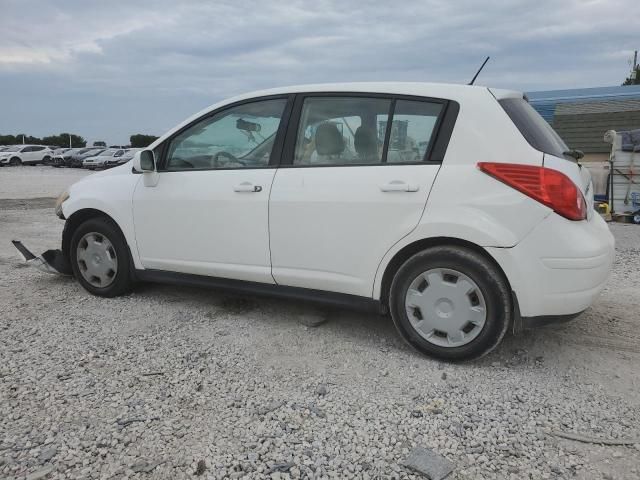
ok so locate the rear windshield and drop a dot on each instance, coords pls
(533, 127)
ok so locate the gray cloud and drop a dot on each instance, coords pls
(109, 69)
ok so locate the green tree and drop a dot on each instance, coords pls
(140, 140)
(24, 138)
(8, 140)
(634, 77)
(62, 140)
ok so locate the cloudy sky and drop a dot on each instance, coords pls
(107, 69)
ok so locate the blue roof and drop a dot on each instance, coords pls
(545, 101)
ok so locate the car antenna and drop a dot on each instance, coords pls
(479, 70)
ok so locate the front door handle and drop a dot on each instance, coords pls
(247, 187)
(399, 186)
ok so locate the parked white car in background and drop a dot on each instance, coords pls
(456, 208)
(100, 160)
(126, 157)
(25, 155)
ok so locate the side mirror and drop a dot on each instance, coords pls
(144, 161)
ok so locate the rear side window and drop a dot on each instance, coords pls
(533, 127)
(412, 130)
(346, 130)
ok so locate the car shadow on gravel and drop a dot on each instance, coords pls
(353, 323)
(368, 330)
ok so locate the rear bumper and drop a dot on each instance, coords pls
(559, 269)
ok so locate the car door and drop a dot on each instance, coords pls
(35, 154)
(26, 154)
(355, 180)
(208, 212)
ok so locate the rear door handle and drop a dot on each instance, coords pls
(247, 187)
(399, 186)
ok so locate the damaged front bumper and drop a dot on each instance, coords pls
(51, 261)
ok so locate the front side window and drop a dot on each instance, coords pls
(239, 137)
(353, 130)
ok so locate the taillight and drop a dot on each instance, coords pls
(549, 187)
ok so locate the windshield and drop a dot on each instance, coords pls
(533, 127)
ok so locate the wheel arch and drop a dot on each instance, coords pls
(78, 218)
(411, 249)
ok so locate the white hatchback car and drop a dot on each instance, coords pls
(455, 208)
(25, 155)
(103, 158)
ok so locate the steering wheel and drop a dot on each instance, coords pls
(231, 158)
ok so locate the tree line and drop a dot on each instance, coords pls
(137, 140)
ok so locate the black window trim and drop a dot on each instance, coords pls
(442, 130)
(161, 150)
(284, 145)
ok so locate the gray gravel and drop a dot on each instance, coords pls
(175, 383)
(37, 181)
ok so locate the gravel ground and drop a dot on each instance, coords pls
(37, 181)
(173, 383)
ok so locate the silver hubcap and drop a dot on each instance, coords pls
(97, 259)
(445, 307)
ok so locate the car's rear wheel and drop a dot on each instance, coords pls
(450, 302)
(100, 258)
(15, 161)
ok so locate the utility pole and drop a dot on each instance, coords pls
(23, 138)
(70, 141)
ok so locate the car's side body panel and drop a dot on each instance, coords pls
(467, 204)
(309, 205)
(331, 225)
(109, 192)
(197, 222)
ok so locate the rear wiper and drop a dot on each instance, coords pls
(577, 154)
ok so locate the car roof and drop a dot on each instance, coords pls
(426, 89)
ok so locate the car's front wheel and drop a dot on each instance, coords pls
(99, 258)
(15, 161)
(450, 302)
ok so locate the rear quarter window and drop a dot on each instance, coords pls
(533, 127)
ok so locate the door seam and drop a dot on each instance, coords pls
(424, 209)
(273, 181)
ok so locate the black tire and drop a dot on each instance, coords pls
(15, 161)
(122, 281)
(489, 279)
